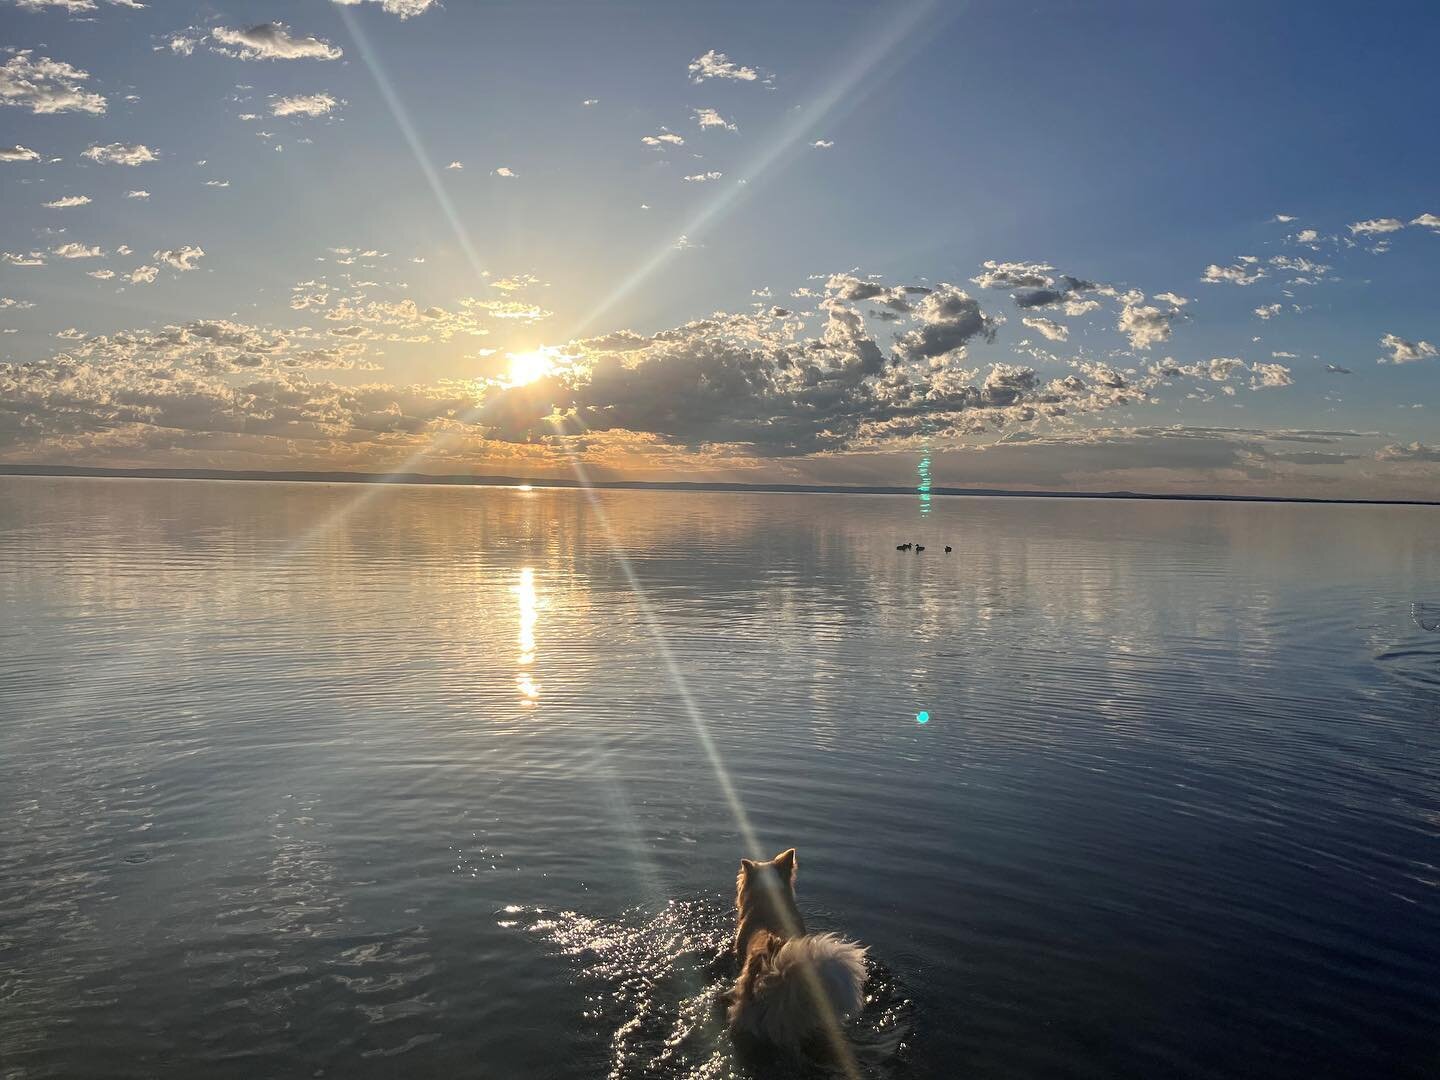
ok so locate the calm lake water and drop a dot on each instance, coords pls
(310, 780)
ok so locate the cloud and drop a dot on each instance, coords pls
(137, 194)
(67, 201)
(11, 258)
(590, 101)
(1283, 218)
(823, 144)
(709, 118)
(403, 8)
(1048, 327)
(270, 41)
(1429, 221)
(1265, 376)
(716, 65)
(77, 251)
(1245, 272)
(665, 138)
(46, 86)
(1377, 225)
(143, 275)
(700, 178)
(101, 275)
(120, 154)
(1145, 324)
(950, 319)
(1336, 369)
(1406, 352)
(457, 165)
(305, 105)
(217, 183)
(1415, 451)
(182, 259)
(1014, 275)
(1269, 311)
(9, 303)
(504, 171)
(18, 153)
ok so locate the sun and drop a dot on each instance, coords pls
(526, 367)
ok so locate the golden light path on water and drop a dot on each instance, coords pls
(529, 617)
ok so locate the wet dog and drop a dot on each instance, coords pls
(792, 986)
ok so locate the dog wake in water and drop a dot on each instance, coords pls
(792, 986)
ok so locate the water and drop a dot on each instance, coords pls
(302, 780)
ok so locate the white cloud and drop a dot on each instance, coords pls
(1283, 218)
(143, 275)
(1266, 376)
(822, 144)
(8, 303)
(590, 101)
(137, 194)
(11, 258)
(700, 178)
(1244, 272)
(217, 183)
(716, 65)
(1429, 221)
(665, 138)
(183, 258)
(67, 201)
(1048, 327)
(46, 86)
(305, 105)
(268, 41)
(404, 8)
(120, 154)
(1144, 324)
(18, 153)
(1406, 352)
(1307, 236)
(102, 275)
(504, 171)
(709, 118)
(456, 165)
(77, 251)
(1377, 225)
(1269, 311)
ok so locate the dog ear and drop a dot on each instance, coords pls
(785, 863)
(747, 866)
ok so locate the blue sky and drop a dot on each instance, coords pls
(787, 281)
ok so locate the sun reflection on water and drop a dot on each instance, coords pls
(529, 616)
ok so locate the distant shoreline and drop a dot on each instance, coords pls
(658, 485)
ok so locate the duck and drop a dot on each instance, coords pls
(919, 547)
(948, 549)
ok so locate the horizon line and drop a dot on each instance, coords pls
(718, 486)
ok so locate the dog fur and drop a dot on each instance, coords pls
(792, 985)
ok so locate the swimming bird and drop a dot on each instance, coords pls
(919, 547)
(948, 549)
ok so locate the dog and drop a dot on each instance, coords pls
(792, 985)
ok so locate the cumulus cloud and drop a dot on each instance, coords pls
(709, 118)
(1014, 275)
(950, 320)
(1428, 221)
(1406, 352)
(1048, 327)
(16, 258)
(1336, 369)
(182, 259)
(120, 154)
(504, 171)
(1246, 271)
(1415, 451)
(823, 144)
(269, 41)
(46, 86)
(403, 8)
(457, 165)
(18, 153)
(665, 138)
(305, 105)
(700, 178)
(137, 194)
(1269, 311)
(100, 275)
(1145, 324)
(1263, 376)
(143, 275)
(716, 65)
(67, 201)
(1377, 225)
(77, 251)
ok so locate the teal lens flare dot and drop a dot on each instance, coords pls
(922, 717)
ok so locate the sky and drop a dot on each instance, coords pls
(1069, 246)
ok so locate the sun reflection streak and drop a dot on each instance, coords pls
(529, 617)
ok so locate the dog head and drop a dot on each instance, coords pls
(769, 883)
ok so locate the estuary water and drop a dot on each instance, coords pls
(338, 780)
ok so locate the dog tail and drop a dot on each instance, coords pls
(809, 984)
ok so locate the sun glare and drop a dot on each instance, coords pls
(526, 367)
